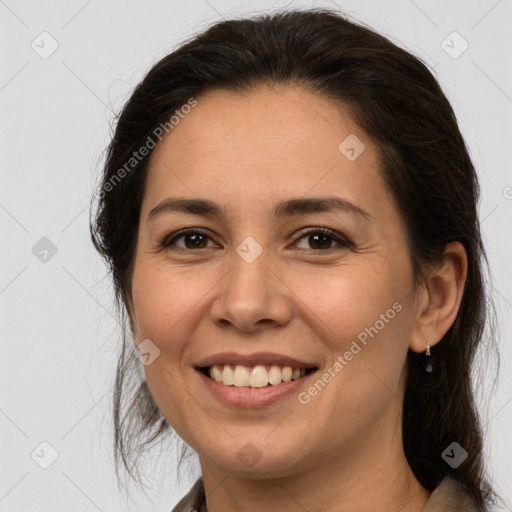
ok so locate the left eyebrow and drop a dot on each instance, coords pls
(318, 204)
(285, 208)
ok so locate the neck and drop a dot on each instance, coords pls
(373, 474)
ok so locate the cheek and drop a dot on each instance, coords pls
(164, 302)
(346, 301)
(167, 305)
(361, 316)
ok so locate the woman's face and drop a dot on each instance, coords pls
(255, 284)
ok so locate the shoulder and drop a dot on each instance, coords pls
(450, 496)
(194, 500)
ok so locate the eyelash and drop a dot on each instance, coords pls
(336, 237)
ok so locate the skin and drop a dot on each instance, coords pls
(343, 450)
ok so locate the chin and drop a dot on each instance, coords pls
(254, 457)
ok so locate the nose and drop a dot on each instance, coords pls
(252, 297)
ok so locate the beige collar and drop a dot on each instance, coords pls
(449, 496)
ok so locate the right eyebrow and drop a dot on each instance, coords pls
(194, 206)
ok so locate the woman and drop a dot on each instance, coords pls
(289, 213)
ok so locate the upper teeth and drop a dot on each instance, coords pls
(254, 377)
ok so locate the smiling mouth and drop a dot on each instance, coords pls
(256, 376)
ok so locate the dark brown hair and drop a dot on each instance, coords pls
(395, 99)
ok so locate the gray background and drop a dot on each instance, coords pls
(59, 337)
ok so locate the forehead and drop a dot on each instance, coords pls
(263, 123)
(268, 143)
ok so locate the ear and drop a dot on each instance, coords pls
(439, 298)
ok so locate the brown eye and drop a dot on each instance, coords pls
(321, 239)
(192, 239)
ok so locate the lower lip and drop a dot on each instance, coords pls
(252, 397)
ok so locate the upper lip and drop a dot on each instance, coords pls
(253, 359)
